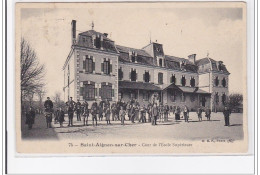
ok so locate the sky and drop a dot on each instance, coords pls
(182, 30)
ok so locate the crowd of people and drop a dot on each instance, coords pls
(117, 111)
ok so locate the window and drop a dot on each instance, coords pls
(192, 82)
(160, 78)
(133, 75)
(106, 91)
(216, 98)
(224, 83)
(216, 81)
(160, 62)
(88, 91)
(173, 79)
(84, 40)
(88, 64)
(183, 81)
(120, 74)
(224, 98)
(106, 67)
(146, 77)
(133, 56)
(97, 42)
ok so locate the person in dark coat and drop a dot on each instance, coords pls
(199, 112)
(143, 113)
(71, 107)
(155, 113)
(226, 113)
(94, 112)
(122, 115)
(60, 115)
(186, 114)
(208, 113)
(30, 117)
(101, 110)
(114, 111)
(78, 110)
(48, 103)
(107, 111)
(132, 113)
(177, 113)
(128, 109)
(85, 113)
(166, 112)
(149, 111)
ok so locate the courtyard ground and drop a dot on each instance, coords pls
(194, 130)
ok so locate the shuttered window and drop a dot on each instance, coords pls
(120, 74)
(216, 98)
(224, 83)
(173, 79)
(106, 91)
(183, 81)
(146, 77)
(216, 81)
(106, 67)
(88, 64)
(192, 82)
(88, 91)
(133, 75)
(160, 78)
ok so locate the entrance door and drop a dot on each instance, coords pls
(203, 101)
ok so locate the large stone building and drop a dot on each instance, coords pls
(97, 68)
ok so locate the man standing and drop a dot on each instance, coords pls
(199, 112)
(186, 114)
(85, 113)
(208, 113)
(166, 112)
(107, 111)
(226, 113)
(48, 111)
(94, 111)
(71, 107)
(100, 110)
(78, 111)
(48, 103)
(30, 116)
(155, 114)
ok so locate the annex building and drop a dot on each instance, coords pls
(97, 68)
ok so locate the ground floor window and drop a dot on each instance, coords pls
(88, 91)
(106, 91)
(224, 99)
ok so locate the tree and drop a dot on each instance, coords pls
(57, 100)
(235, 100)
(41, 92)
(32, 72)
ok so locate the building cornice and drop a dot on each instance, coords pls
(96, 50)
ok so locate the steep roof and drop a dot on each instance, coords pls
(142, 56)
(214, 64)
(93, 32)
(129, 49)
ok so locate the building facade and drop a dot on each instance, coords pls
(97, 68)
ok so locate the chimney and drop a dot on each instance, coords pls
(106, 34)
(73, 32)
(192, 58)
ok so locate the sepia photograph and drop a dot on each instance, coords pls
(131, 78)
